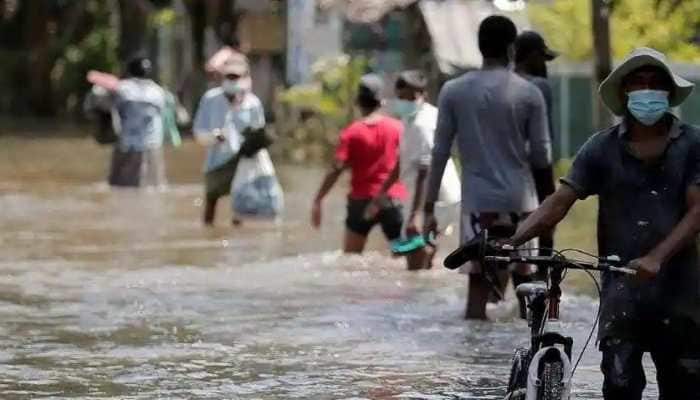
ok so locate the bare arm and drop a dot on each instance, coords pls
(418, 197)
(328, 182)
(547, 216)
(445, 132)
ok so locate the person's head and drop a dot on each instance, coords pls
(235, 75)
(643, 87)
(139, 66)
(532, 53)
(410, 92)
(496, 36)
(369, 93)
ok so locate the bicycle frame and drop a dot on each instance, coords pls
(545, 307)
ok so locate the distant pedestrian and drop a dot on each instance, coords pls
(139, 107)
(369, 148)
(500, 123)
(419, 120)
(531, 57)
(224, 114)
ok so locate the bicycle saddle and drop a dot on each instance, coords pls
(531, 289)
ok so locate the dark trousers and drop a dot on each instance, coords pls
(674, 351)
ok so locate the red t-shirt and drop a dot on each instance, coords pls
(370, 148)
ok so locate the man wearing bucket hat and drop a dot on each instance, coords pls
(646, 174)
(224, 113)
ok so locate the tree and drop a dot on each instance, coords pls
(602, 63)
(133, 27)
(606, 29)
(670, 26)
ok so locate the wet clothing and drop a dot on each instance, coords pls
(639, 205)
(216, 112)
(217, 181)
(139, 105)
(675, 349)
(389, 217)
(138, 115)
(370, 149)
(134, 168)
(415, 153)
(500, 123)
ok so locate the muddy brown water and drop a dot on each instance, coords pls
(122, 294)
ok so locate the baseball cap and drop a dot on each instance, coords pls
(236, 64)
(530, 41)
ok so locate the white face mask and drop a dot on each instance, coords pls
(232, 87)
(404, 108)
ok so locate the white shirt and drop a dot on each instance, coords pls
(415, 151)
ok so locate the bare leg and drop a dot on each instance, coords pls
(430, 256)
(477, 297)
(417, 259)
(209, 210)
(354, 242)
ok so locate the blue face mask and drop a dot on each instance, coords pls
(404, 108)
(647, 106)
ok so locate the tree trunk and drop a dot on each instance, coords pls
(39, 63)
(602, 59)
(198, 18)
(133, 23)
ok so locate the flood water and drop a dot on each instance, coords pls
(124, 295)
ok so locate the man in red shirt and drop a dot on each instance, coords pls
(369, 147)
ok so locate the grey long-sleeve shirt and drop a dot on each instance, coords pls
(500, 122)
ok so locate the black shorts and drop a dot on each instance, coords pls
(217, 182)
(390, 217)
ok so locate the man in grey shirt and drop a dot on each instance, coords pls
(500, 122)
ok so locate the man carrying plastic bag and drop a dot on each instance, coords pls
(230, 121)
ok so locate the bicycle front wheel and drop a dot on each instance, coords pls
(551, 385)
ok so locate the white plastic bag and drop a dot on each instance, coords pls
(255, 191)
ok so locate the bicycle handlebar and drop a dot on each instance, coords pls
(549, 261)
(479, 249)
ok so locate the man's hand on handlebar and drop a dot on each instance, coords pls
(647, 267)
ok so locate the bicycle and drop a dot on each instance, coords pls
(544, 370)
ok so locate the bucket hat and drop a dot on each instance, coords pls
(640, 57)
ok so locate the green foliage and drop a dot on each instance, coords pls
(669, 26)
(97, 50)
(163, 17)
(311, 115)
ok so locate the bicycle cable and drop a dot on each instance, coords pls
(585, 253)
(595, 323)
